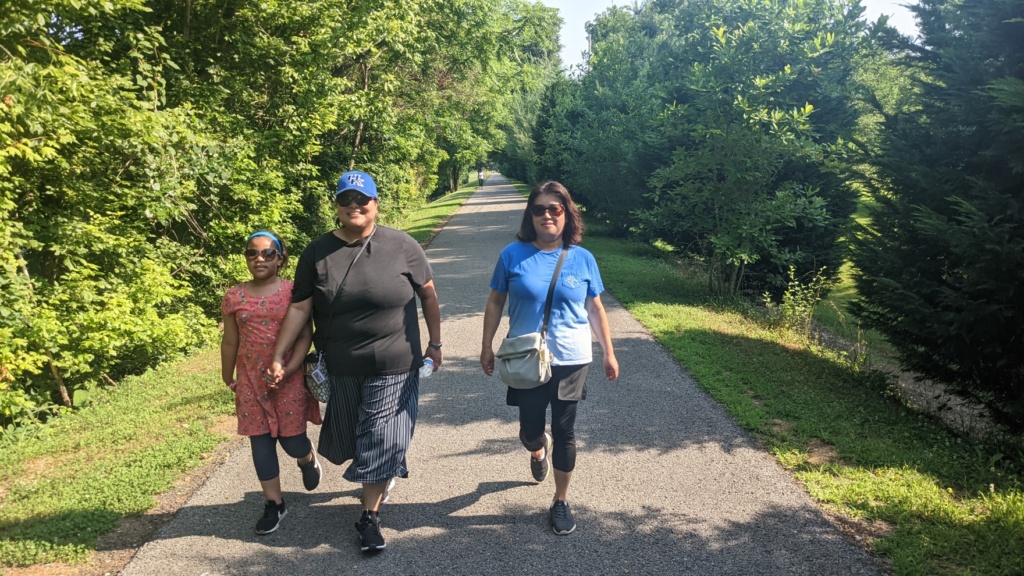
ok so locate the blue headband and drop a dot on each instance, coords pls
(268, 235)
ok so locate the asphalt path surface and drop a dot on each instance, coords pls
(665, 481)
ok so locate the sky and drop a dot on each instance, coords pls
(576, 13)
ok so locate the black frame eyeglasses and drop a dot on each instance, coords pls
(267, 253)
(555, 210)
(346, 198)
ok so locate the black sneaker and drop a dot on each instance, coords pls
(370, 538)
(562, 522)
(541, 468)
(272, 515)
(311, 473)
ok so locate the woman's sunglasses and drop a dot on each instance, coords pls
(553, 209)
(267, 253)
(344, 200)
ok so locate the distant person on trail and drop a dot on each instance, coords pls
(360, 283)
(480, 177)
(551, 223)
(268, 412)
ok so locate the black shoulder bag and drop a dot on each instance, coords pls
(317, 379)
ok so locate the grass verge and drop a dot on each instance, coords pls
(832, 314)
(425, 222)
(73, 483)
(76, 479)
(927, 500)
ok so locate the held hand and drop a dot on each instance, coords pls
(275, 374)
(232, 385)
(611, 366)
(487, 361)
(435, 355)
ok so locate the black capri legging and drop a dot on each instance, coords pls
(264, 452)
(533, 405)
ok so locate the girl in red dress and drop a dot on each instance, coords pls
(269, 414)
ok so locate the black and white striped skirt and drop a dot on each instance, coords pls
(370, 421)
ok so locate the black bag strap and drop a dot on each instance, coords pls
(330, 319)
(551, 294)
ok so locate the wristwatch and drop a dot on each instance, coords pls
(434, 345)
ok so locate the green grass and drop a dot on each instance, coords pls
(522, 188)
(73, 483)
(73, 480)
(931, 501)
(424, 222)
(832, 312)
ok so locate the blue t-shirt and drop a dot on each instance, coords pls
(524, 272)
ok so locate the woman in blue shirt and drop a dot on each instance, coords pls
(551, 223)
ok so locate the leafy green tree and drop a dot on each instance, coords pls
(941, 265)
(89, 165)
(619, 128)
(142, 141)
(556, 132)
(524, 68)
(716, 126)
(768, 96)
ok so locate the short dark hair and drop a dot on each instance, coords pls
(572, 234)
(279, 241)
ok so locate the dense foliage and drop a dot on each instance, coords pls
(714, 126)
(942, 264)
(140, 141)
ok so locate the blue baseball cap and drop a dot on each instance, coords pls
(358, 181)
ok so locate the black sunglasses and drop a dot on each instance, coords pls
(554, 209)
(346, 198)
(267, 253)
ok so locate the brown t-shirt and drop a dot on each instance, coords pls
(375, 329)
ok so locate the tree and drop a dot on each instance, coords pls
(525, 66)
(717, 127)
(942, 262)
(90, 168)
(141, 142)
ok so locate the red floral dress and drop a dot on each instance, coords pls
(281, 412)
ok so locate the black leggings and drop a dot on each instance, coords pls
(264, 452)
(533, 405)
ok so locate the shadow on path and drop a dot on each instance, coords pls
(665, 482)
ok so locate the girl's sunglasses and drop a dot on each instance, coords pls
(267, 253)
(553, 209)
(345, 199)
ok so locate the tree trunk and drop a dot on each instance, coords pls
(188, 18)
(359, 131)
(65, 398)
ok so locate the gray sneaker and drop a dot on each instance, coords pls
(562, 522)
(541, 468)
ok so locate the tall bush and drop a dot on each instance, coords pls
(92, 172)
(942, 262)
(717, 127)
(141, 141)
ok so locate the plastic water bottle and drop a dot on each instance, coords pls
(427, 369)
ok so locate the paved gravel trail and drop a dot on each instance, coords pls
(666, 482)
